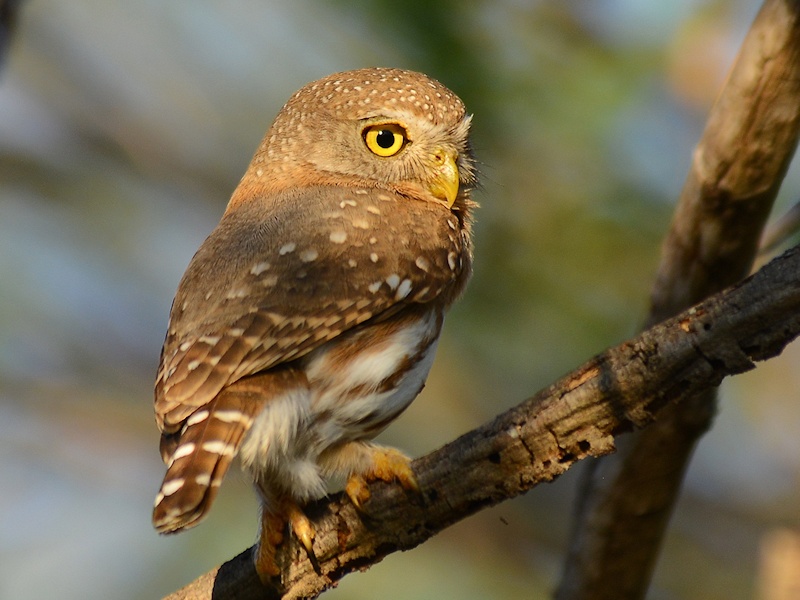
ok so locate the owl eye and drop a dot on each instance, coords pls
(385, 139)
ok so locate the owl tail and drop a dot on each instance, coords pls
(199, 456)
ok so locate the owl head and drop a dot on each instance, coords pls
(386, 128)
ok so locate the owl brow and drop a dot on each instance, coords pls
(372, 121)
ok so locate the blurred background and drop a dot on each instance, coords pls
(125, 126)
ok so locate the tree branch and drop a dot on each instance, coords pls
(578, 416)
(738, 166)
(737, 169)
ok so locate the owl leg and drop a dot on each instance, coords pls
(384, 464)
(273, 526)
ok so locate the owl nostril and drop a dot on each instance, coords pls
(441, 157)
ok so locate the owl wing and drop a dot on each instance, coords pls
(270, 285)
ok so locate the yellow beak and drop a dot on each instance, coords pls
(444, 184)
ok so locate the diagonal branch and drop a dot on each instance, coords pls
(738, 166)
(625, 387)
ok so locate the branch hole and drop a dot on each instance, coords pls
(566, 457)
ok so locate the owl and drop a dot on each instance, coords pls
(308, 320)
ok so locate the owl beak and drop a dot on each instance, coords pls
(444, 184)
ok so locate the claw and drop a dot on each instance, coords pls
(388, 465)
(357, 490)
(273, 525)
(301, 526)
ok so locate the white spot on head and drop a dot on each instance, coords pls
(287, 248)
(373, 257)
(338, 237)
(309, 255)
(352, 263)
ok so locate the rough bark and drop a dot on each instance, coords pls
(738, 166)
(580, 415)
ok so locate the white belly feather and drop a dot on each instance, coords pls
(348, 403)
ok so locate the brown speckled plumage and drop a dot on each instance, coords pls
(308, 319)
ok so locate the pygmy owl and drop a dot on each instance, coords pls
(308, 320)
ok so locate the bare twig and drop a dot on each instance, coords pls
(738, 166)
(578, 416)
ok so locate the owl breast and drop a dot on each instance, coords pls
(360, 386)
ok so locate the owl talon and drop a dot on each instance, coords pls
(302, 527)
(272, 536)
(387, 465)
(357, 490)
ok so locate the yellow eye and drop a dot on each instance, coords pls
(386, 139)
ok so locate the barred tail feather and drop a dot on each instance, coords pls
(200, 457)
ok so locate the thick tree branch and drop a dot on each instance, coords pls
(578, 416)
(737, 169)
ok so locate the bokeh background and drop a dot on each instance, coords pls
(124, 127)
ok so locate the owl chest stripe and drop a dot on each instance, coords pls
(363, 390)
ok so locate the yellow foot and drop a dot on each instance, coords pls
(272, 536)
(387, 465)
